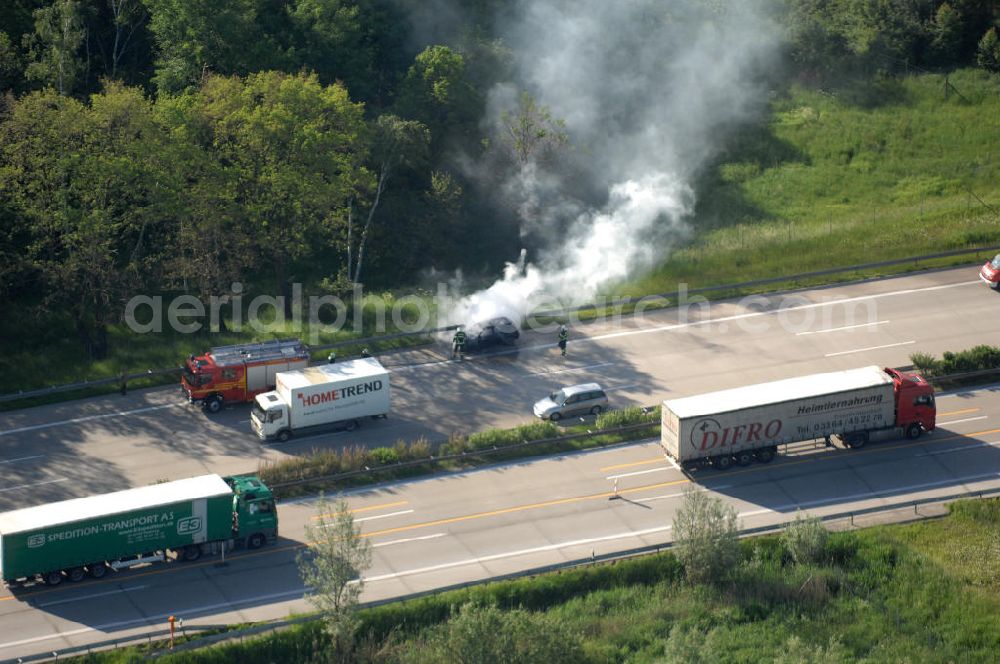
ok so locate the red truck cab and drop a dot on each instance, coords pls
(916, 409)
(235, 374)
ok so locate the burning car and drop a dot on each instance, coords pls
(500, 331)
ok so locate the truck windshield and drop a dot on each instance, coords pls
(192, 378)
(558, 397)
(258, 412)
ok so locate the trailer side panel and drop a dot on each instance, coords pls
(731, 431)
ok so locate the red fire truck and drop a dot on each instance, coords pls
(238, 373)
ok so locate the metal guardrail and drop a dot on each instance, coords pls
(275, 625)
(960, 376)
(117, 380)
(458, 456)
(777, 280)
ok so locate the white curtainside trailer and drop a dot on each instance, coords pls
(749, 422)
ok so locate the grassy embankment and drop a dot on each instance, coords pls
(830, 181)
(825, 181)
(921, 592)
(41, 355)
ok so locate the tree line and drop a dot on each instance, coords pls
(152, 145)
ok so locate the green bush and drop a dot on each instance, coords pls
(384, 456)
(626, 416)
(977, 358)
(925, 363)
(805, 539)
(504, 437)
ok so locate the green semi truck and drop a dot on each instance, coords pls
(181, 520)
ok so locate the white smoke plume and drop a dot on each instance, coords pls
(646, 88)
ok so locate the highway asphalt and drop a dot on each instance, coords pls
(453, 529)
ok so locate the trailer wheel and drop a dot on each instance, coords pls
(53, 578)
(255, 541)
(723, 462)
(97, 570)
(213, 405)
(913, 431)
(857, 441)
(284, 435)
(192, 552)
(744, 458)
(76, 574)
(765, 455)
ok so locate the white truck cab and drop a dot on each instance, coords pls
(269, 415)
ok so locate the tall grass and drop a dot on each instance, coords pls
(827, 183)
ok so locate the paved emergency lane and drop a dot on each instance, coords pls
(437, 532)
(113, 442)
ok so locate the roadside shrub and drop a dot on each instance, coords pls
(487, 634)
(925, 363)
(626, 416)
(384, 456)
(519, 434)
(977, 358)
(707, 536)
(805, 539)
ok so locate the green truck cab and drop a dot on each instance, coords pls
(255, 516)
(176, 521)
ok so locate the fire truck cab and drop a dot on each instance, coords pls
(230, 374)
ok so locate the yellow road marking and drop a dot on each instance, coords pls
(958, 412)
(365, 509)
(605, 469)
(520, 508)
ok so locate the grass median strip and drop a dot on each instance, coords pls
(352, 466)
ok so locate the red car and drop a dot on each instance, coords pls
(990, 272)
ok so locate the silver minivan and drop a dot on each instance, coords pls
(586, 399)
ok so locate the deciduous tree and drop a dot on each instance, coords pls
(55, 47)
(294, 150)
(706, 536)
(332, 566)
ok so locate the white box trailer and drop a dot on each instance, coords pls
(747, 423)
(322, 397)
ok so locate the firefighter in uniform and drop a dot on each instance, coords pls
(458, 344)
(563, 337)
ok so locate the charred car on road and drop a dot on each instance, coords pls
(500, 331)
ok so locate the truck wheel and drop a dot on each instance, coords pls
(97, 570)
(555, 417)
(76, 574)
(284, 435)
(255, 541)
(596, 410)
(723, 462)
(53, 578)
(192, 552)
(913, 431)
(213, 405)
(351, 425)
(857, 441)
(766, 455)
(744, 458)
